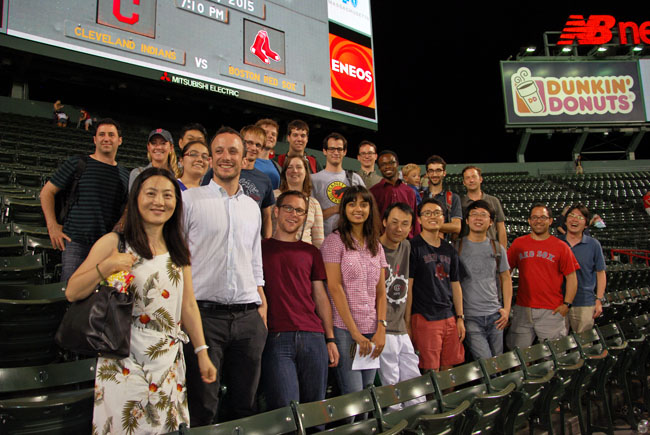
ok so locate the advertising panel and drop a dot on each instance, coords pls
(644, 68)
(572, 92)
(273, 52)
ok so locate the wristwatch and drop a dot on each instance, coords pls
(460, 316)
(383, 322)
(568, 304)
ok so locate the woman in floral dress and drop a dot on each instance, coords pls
(146, 393)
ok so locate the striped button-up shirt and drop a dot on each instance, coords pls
(224, 236)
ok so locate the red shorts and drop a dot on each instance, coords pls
(437, 341)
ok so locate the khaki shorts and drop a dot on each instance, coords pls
(528, 323)
(581, 319)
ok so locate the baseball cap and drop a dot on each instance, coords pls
(161, 132)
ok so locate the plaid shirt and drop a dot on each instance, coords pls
(360, 273)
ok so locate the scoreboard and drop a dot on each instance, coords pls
(311, 56)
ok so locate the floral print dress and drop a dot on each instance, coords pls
(145, 393)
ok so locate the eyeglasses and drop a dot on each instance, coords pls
(367, 153)
(335, 149)
(576, 216)
(539, 218)
(249, 143)
(196, 155)
(429, 213)
(435, 171)
(481, 215)
(290, 209)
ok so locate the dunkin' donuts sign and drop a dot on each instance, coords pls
(572, 92)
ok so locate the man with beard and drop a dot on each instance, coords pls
(255, 183)
(223, 227)
(544, 262)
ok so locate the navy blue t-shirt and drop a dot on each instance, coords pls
(433, 269)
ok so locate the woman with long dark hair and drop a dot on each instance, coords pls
(146, 393)
(354, 262)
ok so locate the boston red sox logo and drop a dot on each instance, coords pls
(262, 49)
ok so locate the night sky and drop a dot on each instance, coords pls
(439, 82)
(437, 76)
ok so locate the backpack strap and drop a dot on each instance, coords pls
(497, 256)
(349, 175)
(71, 195)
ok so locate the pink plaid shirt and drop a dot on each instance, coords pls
(360, 273)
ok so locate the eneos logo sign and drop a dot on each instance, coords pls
(351, 72)
(543, 96)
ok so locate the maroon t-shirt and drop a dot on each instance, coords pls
(386, 194)
(289, 269)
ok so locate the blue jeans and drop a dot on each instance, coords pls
(74, 254)
(294, 367)
(483, 337)
(350, 380)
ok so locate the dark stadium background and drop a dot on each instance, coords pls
(437, 74)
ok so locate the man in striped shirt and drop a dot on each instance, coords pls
(102, 189)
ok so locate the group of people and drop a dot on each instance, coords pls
(277, 269)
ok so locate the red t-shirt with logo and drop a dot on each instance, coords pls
(542, 265)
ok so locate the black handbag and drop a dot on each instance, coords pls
(99, 325)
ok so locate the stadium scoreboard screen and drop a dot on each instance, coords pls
(308, 55)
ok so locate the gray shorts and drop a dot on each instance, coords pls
(530, 322)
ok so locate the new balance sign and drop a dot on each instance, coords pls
(597, 30)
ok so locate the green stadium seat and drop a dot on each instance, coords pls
(19, 270)
(279, 421)
(12, 246)
(29, 318)
(538, 364)
(405, 391)
(507, 368)
(619, 348)
(48, 399)
(468, 383)
(570, 368)
(341, 409)
(24, 211)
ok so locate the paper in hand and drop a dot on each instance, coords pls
(365, 362)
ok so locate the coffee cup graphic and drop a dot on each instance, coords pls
(528, 91)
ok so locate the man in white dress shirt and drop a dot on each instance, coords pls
(223, 228)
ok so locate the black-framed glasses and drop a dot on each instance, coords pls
(429, 213)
